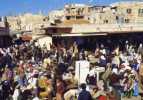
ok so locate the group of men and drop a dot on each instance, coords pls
(31, 72)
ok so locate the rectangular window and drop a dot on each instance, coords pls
(79, 17)
(117, 18)
(78, 11)
(129, 11)
(140, 12)
(127, 20)
(68, 17)
(105, 21)
(54, 30)
(68, 10)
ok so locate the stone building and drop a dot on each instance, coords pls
(128, 12)
(26, 22)
(56, 16)
(5, 37)
(120, 17)
(101, 15)
(70, 14)
(76, 11)
(116, 13)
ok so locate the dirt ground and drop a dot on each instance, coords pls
(132, 98)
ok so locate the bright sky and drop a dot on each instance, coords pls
(14, 7)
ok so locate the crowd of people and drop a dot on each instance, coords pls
(31, 72)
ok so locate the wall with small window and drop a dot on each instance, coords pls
(0, 19)
(127, 20)
(140, 12)
(129, 11)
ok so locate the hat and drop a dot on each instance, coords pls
(122, 70)
(70, 68)
(115, 70)
(128, 68)
(103, 58)
(21, 62)
(125, 64)
(92, 72)
(35, 72)
(125, 75)
(45, 74)
(103, 51)
(132, 71)
(94, 87)
(17, 86)
(110, 89)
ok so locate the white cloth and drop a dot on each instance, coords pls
(92, 72)
(35, 98)
(67, 76)
(123, 57)
(103, 51)
(100, 85)
(115, 70)
(15, 94)
(33, 82)
(70, 93)
(116, 60)
(128, 67)
(103, 58)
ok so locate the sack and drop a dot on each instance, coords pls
(141, 70)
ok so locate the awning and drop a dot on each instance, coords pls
(79, 34)
(26, 37)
